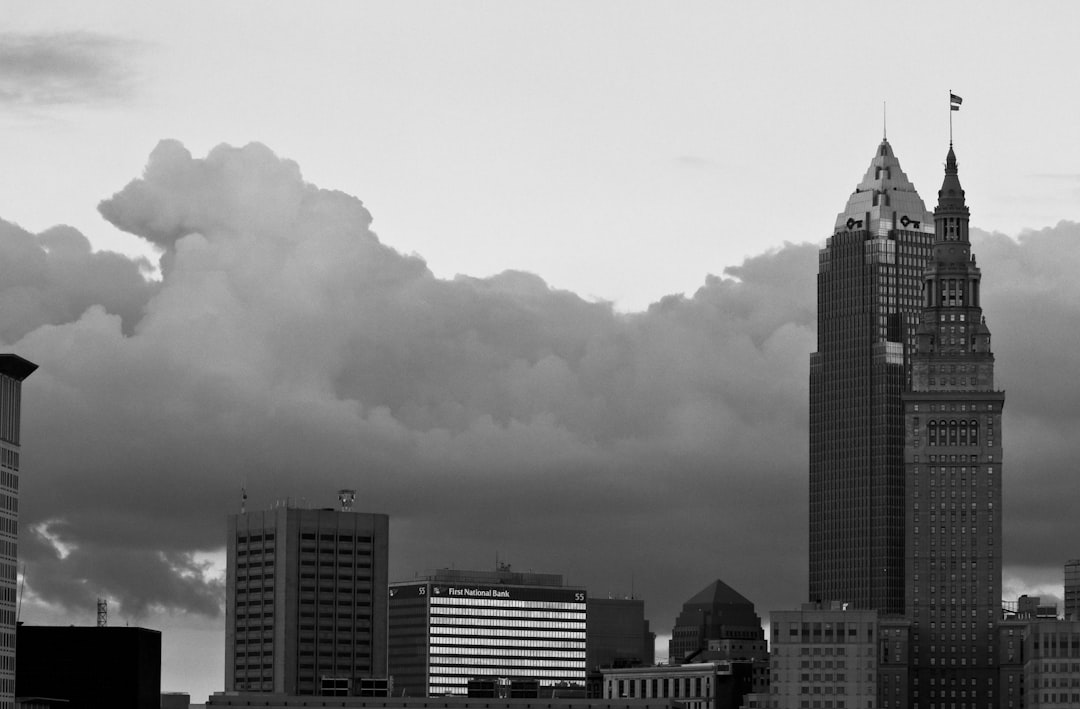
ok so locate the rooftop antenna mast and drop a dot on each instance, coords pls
(884, 121)
(102, 613)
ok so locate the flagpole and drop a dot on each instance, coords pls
(950, 117)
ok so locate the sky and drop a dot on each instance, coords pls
(537, 279)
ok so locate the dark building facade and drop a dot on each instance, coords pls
(1072, 589)
(869, 299)
(454, 626)
(953, 460)
(90, 667)
(717, 623)
(306, 600)
(13, 370)
(618, 634)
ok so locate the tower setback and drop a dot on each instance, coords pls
(953, 458)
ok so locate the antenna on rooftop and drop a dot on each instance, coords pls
(346, 498)
(102, 613)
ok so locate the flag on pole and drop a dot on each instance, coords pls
(955, 101)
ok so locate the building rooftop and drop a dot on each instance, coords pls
(16, 367)
(888, 197)
(503, 575)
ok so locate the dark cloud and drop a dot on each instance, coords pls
(64, 68)
(52, 278)
(287, 349)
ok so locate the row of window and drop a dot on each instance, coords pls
(10, 459)
(523, 614)
(460, 622)
(473, 651)
(539, 633)
(489, 603)
(505, 644)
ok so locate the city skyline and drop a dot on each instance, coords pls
(573, 437)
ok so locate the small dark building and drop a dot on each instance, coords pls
(618, 634)
(90, 666)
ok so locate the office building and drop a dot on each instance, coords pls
(701, 685)
(453, 626)
(13, 370)
(1051, 665)
(1072, 589)
(1011, 662)
(824, 657)
(953, 460)
(90, 667)
(893, 675)
(717, 623)
(306, 608)
(618, 634)
(869, 298)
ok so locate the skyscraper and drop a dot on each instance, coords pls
(953, 451)
(869, 298)
(13, 370)
(306, 600)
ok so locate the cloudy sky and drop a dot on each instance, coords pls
(537, 279)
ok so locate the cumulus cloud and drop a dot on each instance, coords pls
(64, 68)
(52, 278)
(289, 350)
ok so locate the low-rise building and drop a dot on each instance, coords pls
(89, 666)
(824, 658)
(700, 685)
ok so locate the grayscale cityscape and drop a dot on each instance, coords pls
(254, 454)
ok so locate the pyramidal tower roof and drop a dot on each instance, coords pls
(718, 593)
(885, 200)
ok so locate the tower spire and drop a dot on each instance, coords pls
(884, 121)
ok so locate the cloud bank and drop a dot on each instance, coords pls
(64, 68)
(288, 350)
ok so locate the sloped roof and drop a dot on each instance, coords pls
(888, 196)
(718, 593)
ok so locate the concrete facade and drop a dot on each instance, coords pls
(953, 461)
(699, 685)
(306, 600)
(824, 658)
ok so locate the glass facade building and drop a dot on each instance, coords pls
(13, 370)
(454, 626)
(953, 460)
(869, 295)
(306, 600)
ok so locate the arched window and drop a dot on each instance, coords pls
(952, 432)
(974, 433)
(963, 433)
